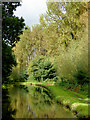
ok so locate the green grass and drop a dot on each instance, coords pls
(67, 98)
(60, 91)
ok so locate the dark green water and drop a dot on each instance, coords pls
(35, 102)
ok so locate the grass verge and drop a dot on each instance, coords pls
(68, 98)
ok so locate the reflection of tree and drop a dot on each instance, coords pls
(7, 111)
(21, 87)
(19, 101)
(42, 96)
(42, 101)
(33, 104)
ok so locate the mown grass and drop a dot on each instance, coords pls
(66, 94)
(71, 101)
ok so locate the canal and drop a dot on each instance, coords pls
(30, 101)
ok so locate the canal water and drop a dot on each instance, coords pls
(35, 102)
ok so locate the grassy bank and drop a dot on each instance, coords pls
(35, 82)
(78, 105)
(76, 102)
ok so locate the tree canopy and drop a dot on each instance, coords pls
(61, 36)
(12, 27)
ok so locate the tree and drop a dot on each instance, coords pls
(40, 42)
(24, 49)
(31, 43)
(12, 26)
(64, 19)
(8, 60)
(43, 70)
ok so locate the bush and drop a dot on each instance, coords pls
(81, 77)
(23, 76)
(17, 76)
(81, 108)
(43, 69)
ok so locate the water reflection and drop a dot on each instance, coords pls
(7, 110)
(35, 102)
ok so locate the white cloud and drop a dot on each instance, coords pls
(31, 10)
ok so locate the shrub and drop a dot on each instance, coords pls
(23, 76)
(81, 77)
(81, 108)
(43, 69)
(17, 76)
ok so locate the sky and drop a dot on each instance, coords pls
(31, 10)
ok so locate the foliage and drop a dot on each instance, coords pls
(62, 20)
(85, 89)
(24, 49)
(82, 109)
(17, 76)
(30, 44)
(62, 35)
(75, 58)
(43, 69)
(60, 29)
(12, 26)
(81, 77)
(7, 110)
(8, 61)
(23, 76)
